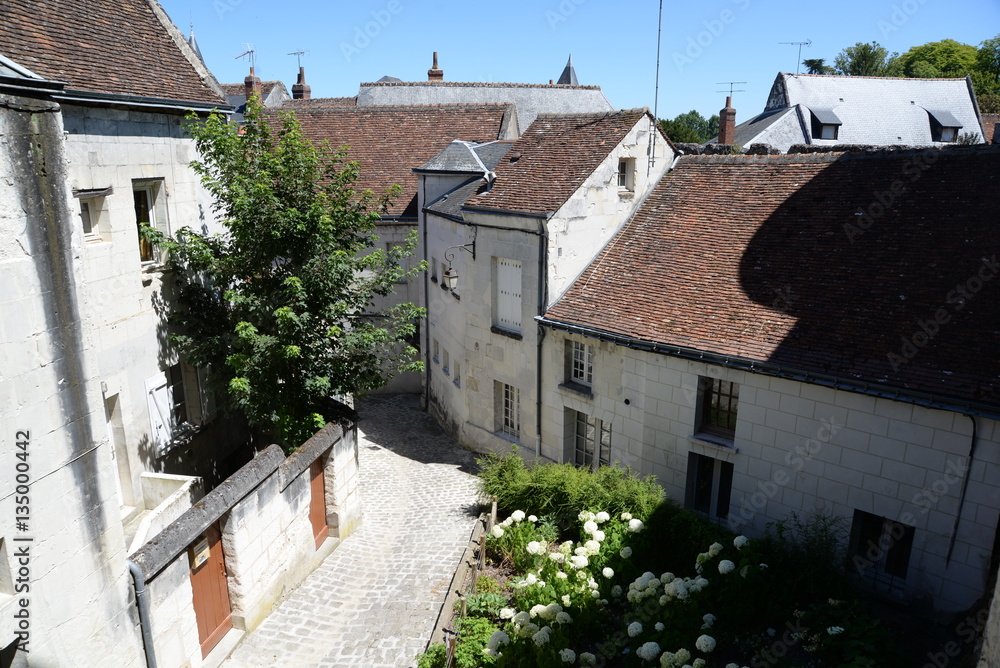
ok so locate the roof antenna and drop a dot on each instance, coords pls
(808, 42)
(730, 84)
(298, 56)
(656, 91)
(249, 52)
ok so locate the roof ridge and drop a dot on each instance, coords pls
(865, 76)
(487, 84)
(847, 152)
(595, 114)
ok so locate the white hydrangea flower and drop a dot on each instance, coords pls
(532, 518)
(608, 572)
(579, 561)
(586, 516)
(668, 660)
(682, 656)
(739, 542)
(635, 526)
(698, 663)
(708, 619)
(566, 600)
(732, 665)
(506, 613)
(664, 599)
(541, 637)
(564, 617)
(497, 530)
(534, 547)
(714, 549)
(498, 638)
(521, 618)
(763, 566)
(726, 567)
(616, 591)
(582, 575)
(602, 517)
(529, 580)
(595, 593)
(626, 552)
(566, 548)
(835, 630)
(528, 630)
(507, 522)
(626, 517)
(667, 578)
(590, 527)
(550, 611)
(659, 626)
(517, 515)
(582, 551)
(593, 547)
(587, 657)
(567, 655)
(648, 651)
(592, 583)
(705, 643)
(744, 571)
(557, 557)
(561, 575)
(634, 629)
(535, 610)
(599, 535)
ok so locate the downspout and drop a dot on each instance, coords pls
(422, 220)
(965, 487)
(543, 275)
(142, 603)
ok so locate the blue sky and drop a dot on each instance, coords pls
(613, 43)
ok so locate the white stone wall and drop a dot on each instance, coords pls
(461, 323)
(343, 486)
(79, 592)
(113, 147)
(172, 618)
(799, 447)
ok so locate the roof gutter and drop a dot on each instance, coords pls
(89, 97)
(509, 212)
(925, 399)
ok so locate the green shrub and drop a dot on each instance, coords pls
(474, 634)
(486, 585)
(561, 491)
(484, 605)
(434, 657)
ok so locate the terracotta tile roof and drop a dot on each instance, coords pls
(104, 46)
(553, 158)
(321, 102)
(768, 258)
(389, 142)
(990, 122)
(240, 88)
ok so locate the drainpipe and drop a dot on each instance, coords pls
(965, 487)
(543, 273)
(142, 603)
(422, 219)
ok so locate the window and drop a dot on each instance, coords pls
(591, 441)
(944, 125)
(434, 266)
(444, 367)
(89, 216)
(507, 295)
(626, 171)
(709, 485)
(581, 363)
(92, 217)
(149, 210)
(880, 547)
(719, 401)
(825, 123)
(436, 349)
(174, 403)
(508, 410)
(458, 375)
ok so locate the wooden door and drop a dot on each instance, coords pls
(317, 502)
(211, 592)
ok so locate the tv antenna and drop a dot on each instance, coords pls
(798, 62)
(731, 89)
(249, 52)
(298, 56)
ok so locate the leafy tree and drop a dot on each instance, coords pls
(947, 58)
(868, 60)
(691, 127)
(817, 66)
(277, 308)
(987, 74)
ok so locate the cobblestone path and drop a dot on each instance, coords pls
(374, 601)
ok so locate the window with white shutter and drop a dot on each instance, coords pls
(507, 294)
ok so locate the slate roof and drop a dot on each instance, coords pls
(751, 257)
(240, 90)
(553, 158)
(321, 102)
(119, 47)
(388, 142)
(881, 111)
(457, 158)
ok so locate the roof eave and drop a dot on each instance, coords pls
(91, 97)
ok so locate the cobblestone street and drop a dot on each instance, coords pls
(376, 598)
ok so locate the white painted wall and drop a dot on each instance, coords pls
(800, 447)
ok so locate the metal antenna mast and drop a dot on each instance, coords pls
(249, 52)
(656, 90)
(808, 42)
(298, 56)
(730, 84)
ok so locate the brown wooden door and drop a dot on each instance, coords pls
(317, 502)
(211, 593)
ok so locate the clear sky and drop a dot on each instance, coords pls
(613, 43)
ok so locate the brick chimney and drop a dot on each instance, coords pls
(252, 84)
(727, 122)
(300, 89)
(435, 73)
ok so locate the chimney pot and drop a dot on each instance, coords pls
(300, 89)
(727, 122)
(435, 73)
(251, 84)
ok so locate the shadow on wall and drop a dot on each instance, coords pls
(883, 267)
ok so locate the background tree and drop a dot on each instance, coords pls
(865, 60)
(278, 307)
(817, 66)
(947, 59)
(987, 74)
(691, 127)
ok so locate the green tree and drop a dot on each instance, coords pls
(817, 66)
(944, 59)
(987, 73)
(279, 307)
(865, 60)
(690, 127)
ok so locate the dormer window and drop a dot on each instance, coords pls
(825, 124)
(944, 125)
(626, 171)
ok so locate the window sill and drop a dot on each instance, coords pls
(182, 436)
(506, 332)
(716, 441)
(516, 440)
(626, 194)
(457, 383)
(578, 388)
